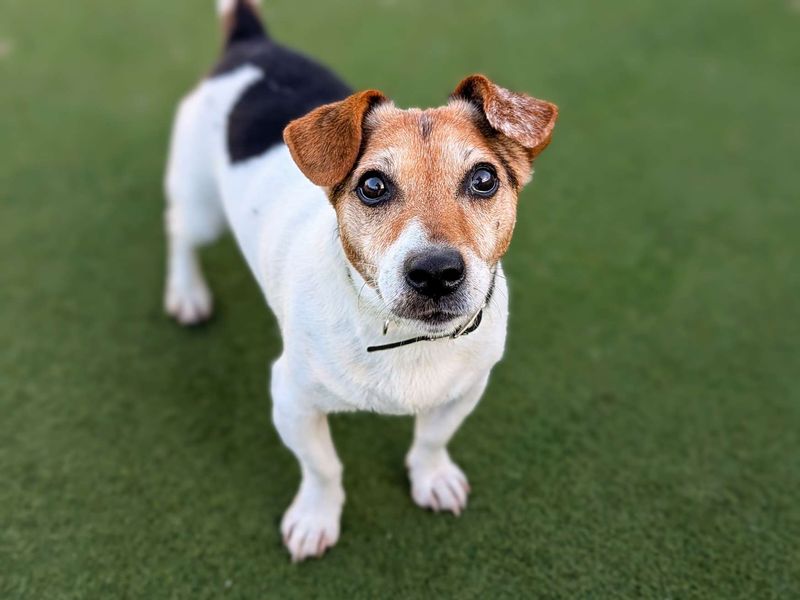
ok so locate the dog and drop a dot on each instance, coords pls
(376, 236)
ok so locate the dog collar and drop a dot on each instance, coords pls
(470, 326)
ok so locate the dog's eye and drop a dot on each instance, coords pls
(483, 181)
(372, 189)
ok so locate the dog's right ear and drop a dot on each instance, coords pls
(325, 143)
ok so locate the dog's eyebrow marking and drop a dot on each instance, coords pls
(468, 153)
(383, 162)
(512, 178)
(425, 125)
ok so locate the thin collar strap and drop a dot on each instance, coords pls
(465, 329)
(471, 326)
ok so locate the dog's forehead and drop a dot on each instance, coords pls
(448, 132)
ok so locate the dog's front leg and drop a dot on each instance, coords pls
(436, 481)
(311, 524)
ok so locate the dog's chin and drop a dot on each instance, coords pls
(431, 317)
(431, 324)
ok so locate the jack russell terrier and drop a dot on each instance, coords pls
(375, 234)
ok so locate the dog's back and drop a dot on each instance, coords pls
(223, 133)
(291, 84)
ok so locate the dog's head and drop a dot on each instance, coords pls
(426, 200)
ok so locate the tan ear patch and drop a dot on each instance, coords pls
(325, 143)
(526, 120)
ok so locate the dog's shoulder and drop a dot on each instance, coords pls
(291, 86)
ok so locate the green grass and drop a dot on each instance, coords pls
(641, 438)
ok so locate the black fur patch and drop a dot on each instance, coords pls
(291, 87)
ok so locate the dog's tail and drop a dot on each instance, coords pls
(241, 20)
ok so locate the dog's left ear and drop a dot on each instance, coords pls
(526, 120)
(325, 143)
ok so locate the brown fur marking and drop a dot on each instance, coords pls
(426, 155)
(425, 125)
(326, 142)
(427, 166)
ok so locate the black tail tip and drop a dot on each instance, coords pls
(243, 22)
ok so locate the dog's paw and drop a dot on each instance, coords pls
(188, 302)
(438, 484)
(311, 524)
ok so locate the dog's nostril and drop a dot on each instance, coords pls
(417, 276)
(452, 275)
(435, 273)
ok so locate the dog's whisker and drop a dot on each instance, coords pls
(358, 298)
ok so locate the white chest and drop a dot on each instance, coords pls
(405, 380)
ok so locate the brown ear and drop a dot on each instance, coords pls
(526, 120)
(325, 143)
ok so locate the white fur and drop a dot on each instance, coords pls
(225, 6)
(287, 232)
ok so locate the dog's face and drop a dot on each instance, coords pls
(426, 199)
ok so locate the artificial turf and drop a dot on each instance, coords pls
(641, 438)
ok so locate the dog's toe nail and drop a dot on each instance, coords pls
(440, 487)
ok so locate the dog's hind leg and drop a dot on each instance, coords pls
(436, 481)
(194, 214)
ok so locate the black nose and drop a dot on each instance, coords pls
(435, 273)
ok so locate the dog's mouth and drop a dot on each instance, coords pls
(437, 317)
(432, 315)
